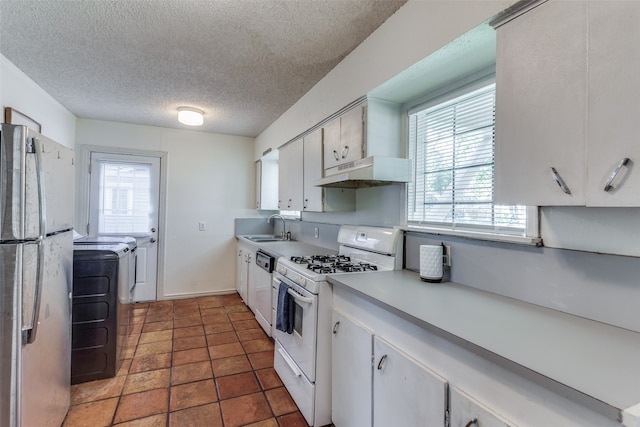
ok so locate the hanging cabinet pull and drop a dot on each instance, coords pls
(381, 362)
(336, 155)
(558, 179)
(472, 422)
(623, 162)
(336, 327)
(345, 151)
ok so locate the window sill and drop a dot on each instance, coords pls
(477, 235)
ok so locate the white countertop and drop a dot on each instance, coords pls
(600, 361)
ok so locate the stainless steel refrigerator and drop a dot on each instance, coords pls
(36, 272)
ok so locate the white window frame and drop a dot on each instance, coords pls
(531, 233)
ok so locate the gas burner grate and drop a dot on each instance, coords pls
(328, 264)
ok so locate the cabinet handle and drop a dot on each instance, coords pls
(306, 203)
(335, 155)
(381, 362)
(623, 162)
(472, 422)
(257, 205)
(345, 151)
(556, 176)
(279, 201)
(289, 205)
(290, 363)
(336, 327)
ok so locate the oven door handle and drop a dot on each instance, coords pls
(290, 362)
(298, 297)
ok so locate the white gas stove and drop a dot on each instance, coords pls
(303, 350)
(361, 249)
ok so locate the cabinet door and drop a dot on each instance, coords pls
(351, 373)
(252, 275)
(465, 409)
(242, 272)
(614, 67)
(312, 171)
(405, 393)
(267, 184)
(258, 183)
(351, 135)
(290, 172)
(331, 142)
(541, 86)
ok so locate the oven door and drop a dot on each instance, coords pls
(301, 343)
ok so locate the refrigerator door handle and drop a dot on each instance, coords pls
(31, 333)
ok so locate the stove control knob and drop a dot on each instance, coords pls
(282, 270)
(301, 281)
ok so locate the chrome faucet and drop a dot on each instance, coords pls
(284, 224)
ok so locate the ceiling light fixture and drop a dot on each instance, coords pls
(190, 116)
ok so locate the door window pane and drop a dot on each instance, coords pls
(125, 198)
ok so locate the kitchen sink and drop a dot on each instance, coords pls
(265, 238)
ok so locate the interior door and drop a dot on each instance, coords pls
(124, 200)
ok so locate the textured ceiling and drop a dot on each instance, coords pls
(243, 62)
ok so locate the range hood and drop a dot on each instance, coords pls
(368, 172)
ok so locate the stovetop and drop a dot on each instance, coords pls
(362, 249)
(327, 264)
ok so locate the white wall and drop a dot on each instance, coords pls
(416, 30)
(211, 179)
(21, 93)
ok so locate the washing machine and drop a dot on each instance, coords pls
(101, 310)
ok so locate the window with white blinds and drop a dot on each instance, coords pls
(452, 147)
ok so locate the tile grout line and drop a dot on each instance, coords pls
(262, 388)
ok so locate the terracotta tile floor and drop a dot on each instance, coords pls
(201, 362)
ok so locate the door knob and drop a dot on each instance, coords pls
(152, 240)
(153, 230)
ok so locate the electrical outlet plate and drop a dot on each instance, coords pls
(202, 226)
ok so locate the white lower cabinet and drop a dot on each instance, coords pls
(376, 384)
(405, 392)
(467, 411)
(244, 254)
(351, 382)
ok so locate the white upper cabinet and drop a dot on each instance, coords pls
(312, 171)
(319, 199)
(614, 103)
(267, 184)
(344, 138)
(290, 165)
(541, 106)
(566, 88)
(352, 135)
(371, 128)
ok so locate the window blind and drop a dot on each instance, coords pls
(452, 147)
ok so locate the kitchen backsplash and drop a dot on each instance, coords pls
(601, 287)
(596, 286)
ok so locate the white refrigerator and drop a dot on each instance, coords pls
(36, 274)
